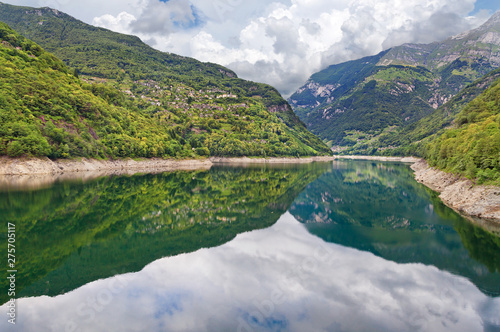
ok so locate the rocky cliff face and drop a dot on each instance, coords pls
(355, 101)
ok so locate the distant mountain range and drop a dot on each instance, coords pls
(113, 96)
(350, 105)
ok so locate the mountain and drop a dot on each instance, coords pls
(353, 102)
(460, 137)
(115, 96)
(414, 138)
(479, 44)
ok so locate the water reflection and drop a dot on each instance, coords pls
(379, 207)
(385, 235)
(277, 279)
(76, 232)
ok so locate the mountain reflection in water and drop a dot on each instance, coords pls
(75, 232)
(379, 207)
(281, 278)
(362, 247)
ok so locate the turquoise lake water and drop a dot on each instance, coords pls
(338, 246)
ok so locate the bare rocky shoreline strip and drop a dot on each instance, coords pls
(38, 173)
(479, 203)
(274, 160)
(410, 160)
(32, 166)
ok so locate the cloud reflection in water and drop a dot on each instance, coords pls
(277, 279)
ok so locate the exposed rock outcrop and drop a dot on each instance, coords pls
(459, 193)
(31, 166)
(277, 160)
(37, 166)
(381, 158)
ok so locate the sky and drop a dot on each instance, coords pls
(279, 42)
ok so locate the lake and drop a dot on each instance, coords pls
(337, 246)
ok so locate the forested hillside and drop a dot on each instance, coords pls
(473, 147)
(461, 137)
(121, 98)
(412, 140)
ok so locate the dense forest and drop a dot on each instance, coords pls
(124, 99)
(472, 148)
(412, 139)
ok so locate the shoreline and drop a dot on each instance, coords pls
(40, 173)
(272, 160)
(478, 203)
(409, 160)
(46, 166)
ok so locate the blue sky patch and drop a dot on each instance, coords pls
(490, 5)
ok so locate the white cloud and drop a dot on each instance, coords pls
(119, 23)
(280, 42)
(285, 42)
(165, 17)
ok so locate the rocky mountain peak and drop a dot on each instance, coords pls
(481, 42)
(492, 25)
(493, 21)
